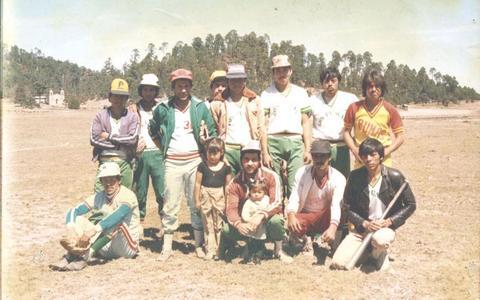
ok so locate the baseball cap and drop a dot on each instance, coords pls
(280, 61)
(119, 87)
(149, 79)
(320, 147)
(217, 74)
(236, 71)
(181, 74)
(108, 169)
(252, 146)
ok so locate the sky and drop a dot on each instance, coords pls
(444, 34)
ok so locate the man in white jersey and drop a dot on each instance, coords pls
(179, 128)
(150, 161)
(328, 110)
(288, 120)
(368, 192)
(108, 222)
(314, 207)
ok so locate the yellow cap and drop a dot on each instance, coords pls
(217, 74)
(119, 87)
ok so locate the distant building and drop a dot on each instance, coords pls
(56, 99)
(40, 99)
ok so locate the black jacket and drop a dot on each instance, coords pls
(356, 197)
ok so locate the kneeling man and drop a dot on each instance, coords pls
(112, 229)
(368, 192)
(314, 205)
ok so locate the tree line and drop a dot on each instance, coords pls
(32, 73)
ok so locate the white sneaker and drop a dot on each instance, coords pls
(199, 252)
(284, 258)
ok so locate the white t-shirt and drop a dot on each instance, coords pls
(328, 118)
(285, 109)
(182, 141)
(376, 206)
(145, 117)
(238, 131)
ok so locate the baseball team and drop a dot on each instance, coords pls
(253, 169)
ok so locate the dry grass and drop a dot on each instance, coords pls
(47, 169)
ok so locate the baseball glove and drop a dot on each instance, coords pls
(75, 244)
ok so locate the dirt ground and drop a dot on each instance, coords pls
(47, 169)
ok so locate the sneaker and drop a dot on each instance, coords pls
(76, 265)
(284, 258)
(209, 256)
(199, 252)
(62, 263)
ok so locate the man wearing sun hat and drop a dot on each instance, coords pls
(114, 133)
(179, 128)
(288, 119)
(150, 161)
(314, 207)
(238, 117)
(106, 224)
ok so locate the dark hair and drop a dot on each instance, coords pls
(217, 79)
(257, 184)
(142, 85)
(376, 77)
(371, 145)
(215, 142)
(330, 73)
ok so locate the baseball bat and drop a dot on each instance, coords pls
(366, 241)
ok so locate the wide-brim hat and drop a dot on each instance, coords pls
(280, 61)
(236, 71)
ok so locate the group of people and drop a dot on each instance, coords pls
(224, 156)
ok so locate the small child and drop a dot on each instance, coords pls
(257, 203)
(213, 174)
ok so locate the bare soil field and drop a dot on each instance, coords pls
(47, 169)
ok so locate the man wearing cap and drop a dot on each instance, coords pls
(288, 119)
(328, 109)
(114, 133)
(150, 162)
(314, 207)
(106, 222)
(218, 83)
(238, 117)
(368, 192)
(179, 128)
(237, 194)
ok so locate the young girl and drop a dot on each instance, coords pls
(256, 204)
(213, 175)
